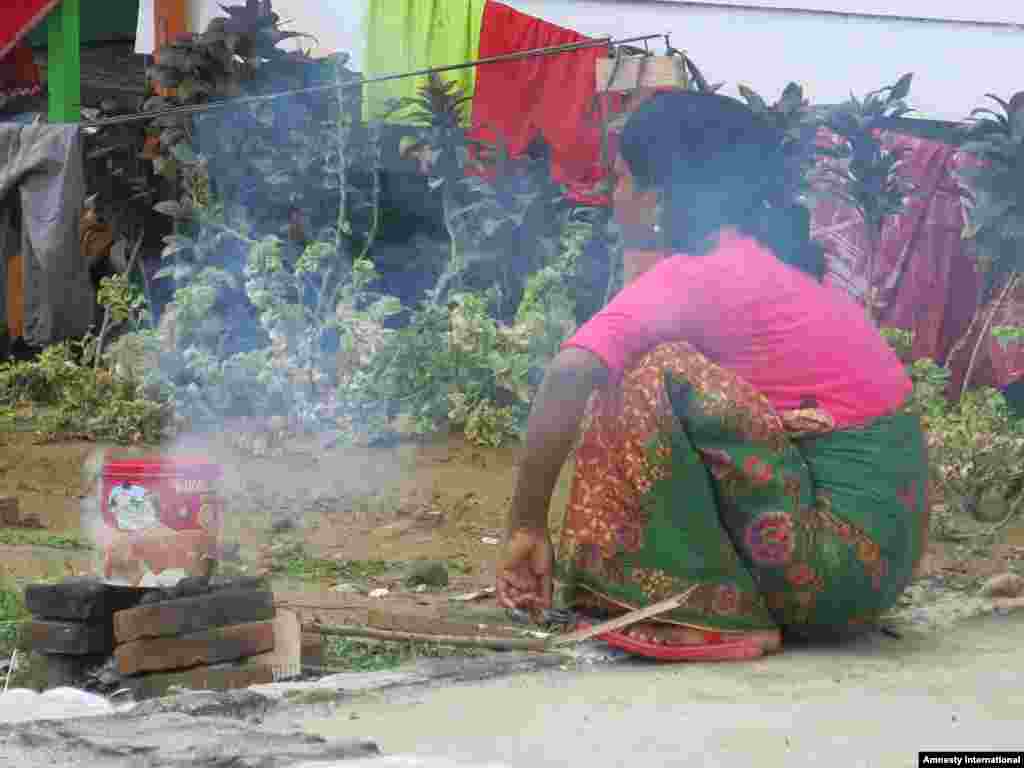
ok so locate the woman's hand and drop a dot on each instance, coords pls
(525, 571)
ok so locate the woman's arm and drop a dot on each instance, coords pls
(526, 567)
(551, 431)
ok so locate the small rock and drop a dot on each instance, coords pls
(282, 524)
(421, 588)
(428, 573)
(1004, 585)
(490, 540)
(346, 589)
(380, 592)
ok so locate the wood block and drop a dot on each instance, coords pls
(213, 646)
(219, 678)
(69, 637)
(188, 615)
(80, 600)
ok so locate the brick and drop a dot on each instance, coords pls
(189, 615)
(213, 646)
(219, 678)
(80, 600)
(69, 637)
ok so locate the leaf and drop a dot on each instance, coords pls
(754, 101)
(184, 153)
(901, 90)
(182, 272)
(997, 118)
(1017, 123)
(171, 208)
(166, 167)
(792, 98)
(155, 103)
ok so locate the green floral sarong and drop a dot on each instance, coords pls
(686, 477)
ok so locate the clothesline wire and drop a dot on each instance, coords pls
(358, 83)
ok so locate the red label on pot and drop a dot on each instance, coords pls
(161, 520)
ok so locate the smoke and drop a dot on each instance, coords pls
(276, 166)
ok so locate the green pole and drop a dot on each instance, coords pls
(63, 63)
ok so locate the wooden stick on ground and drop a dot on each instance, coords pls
(463, 641)
(506, 643)
(621, 622)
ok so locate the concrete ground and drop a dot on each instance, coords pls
(875, 702)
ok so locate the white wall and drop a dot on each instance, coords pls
(977, 11)
(954, 64)
(337, 24)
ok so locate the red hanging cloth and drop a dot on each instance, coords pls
(925, 272)
(19, 77)
(18, 18)
(543, 96)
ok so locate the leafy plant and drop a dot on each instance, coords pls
(451, 366)
(496, 209)
(975, 446)
(245, 253)
(862, 172)
(797, 123)
(78, 399)
(995, 193)
(995, 208)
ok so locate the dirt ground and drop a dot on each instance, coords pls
(439, 500)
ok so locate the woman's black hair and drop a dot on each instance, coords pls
(717, 165)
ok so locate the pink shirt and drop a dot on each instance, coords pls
(774, 326)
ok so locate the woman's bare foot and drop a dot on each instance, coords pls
(770, 640)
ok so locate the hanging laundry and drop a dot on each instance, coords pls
(19, 79)
(407, 35)
(551, 97)
(925, 274)
(20, 17)
(41, 175)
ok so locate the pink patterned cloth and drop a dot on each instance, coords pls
(790, 337)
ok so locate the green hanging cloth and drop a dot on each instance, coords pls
(406, 35)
